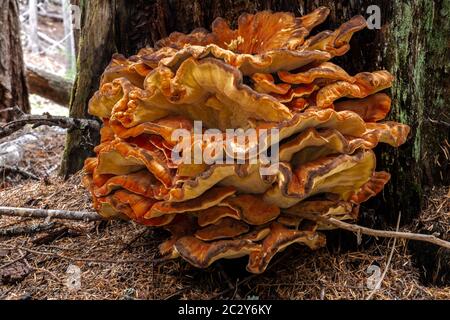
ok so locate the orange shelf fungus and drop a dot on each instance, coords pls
(248, 194)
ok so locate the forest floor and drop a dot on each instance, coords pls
(115, 258)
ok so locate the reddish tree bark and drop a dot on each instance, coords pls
(13, 86)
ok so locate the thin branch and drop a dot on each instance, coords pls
(14, 261)
(379, 233)
(33, 26)
(439, 122)
(50, 41)
(15, 109)
(8, 109)
(15, 169)
(47, 120)
(92, 216)
(176, 293)
(50, 236)
(68, 31)
(51, 15)
(56, 214)
(388, 263)
(127, 246)
(17, 231)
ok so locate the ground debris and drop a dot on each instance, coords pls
(300, 273)
(17, 231)
(35, 151)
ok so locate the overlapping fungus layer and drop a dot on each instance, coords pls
(269, 73)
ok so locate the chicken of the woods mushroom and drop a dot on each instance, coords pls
(268, 74)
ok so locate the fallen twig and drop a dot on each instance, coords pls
(92, 216)
(51, 15)
(14, 261)
(56, 214)
(176, 294)
(9, 109)
(127, 246)
(50, 236)
(51, 41)
(17, 231)
(379, 233)
(5, 293)
(15, 169)
(388, 263)
(46, 120)
(439, 122)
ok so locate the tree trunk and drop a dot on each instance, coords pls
(32, 30)
(412, 43)
(76, 27)
(13, 87)
(70, 41)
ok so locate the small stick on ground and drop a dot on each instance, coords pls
(56, 214)
(15, 169)
(18, 231)
(127, 245)
(46, 120)
(176, 294)
(50, 236)
(379, 233)
(14, 261)
(388, 263)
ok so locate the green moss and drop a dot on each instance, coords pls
(417, 46)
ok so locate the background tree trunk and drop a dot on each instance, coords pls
(68, 32)
(76, 30)
(412, 44)
(13, 87)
